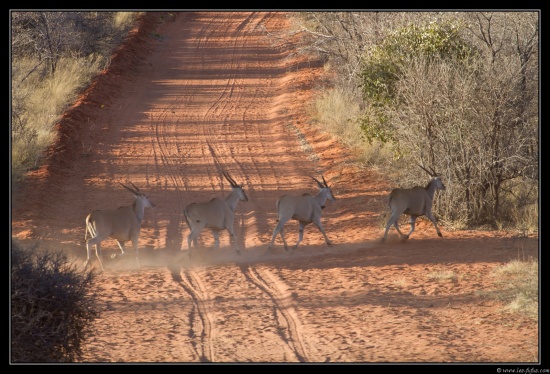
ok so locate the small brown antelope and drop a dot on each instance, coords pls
(305, 209)
(415, 202)
(122, 224)
(216, 215)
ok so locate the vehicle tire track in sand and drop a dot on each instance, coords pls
(200, 330)
(224, 107)
(292, 334)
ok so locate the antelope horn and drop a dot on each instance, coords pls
(229, 179)
(129, 189)
(137, 189)
(431, 173)
(318, 183)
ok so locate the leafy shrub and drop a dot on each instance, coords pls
(383, 64)
(52, 305)
(457, 91)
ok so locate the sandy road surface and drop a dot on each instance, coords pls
(193, 94)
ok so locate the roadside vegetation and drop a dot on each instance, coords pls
(518, 286)
(54, 56)
(455, 91)
(52, 306)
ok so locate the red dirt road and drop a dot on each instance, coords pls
(192, 94)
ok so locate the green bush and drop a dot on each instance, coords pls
(384, 63)
(457, 91)
(52, 306)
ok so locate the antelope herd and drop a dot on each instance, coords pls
(124, 223)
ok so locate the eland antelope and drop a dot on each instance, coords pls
(122, 224)
(305, 209)
(415, 202)
(216, 215)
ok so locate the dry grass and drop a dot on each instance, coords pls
(39, 100)
(42, 102)
(518, 282)
(125, 19)
(336, 111)
(443, 275)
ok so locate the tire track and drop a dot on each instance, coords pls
(167, 161)
(219, 140)
(268, 283)
(235, 124)
(200, 330)
(218, 126)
